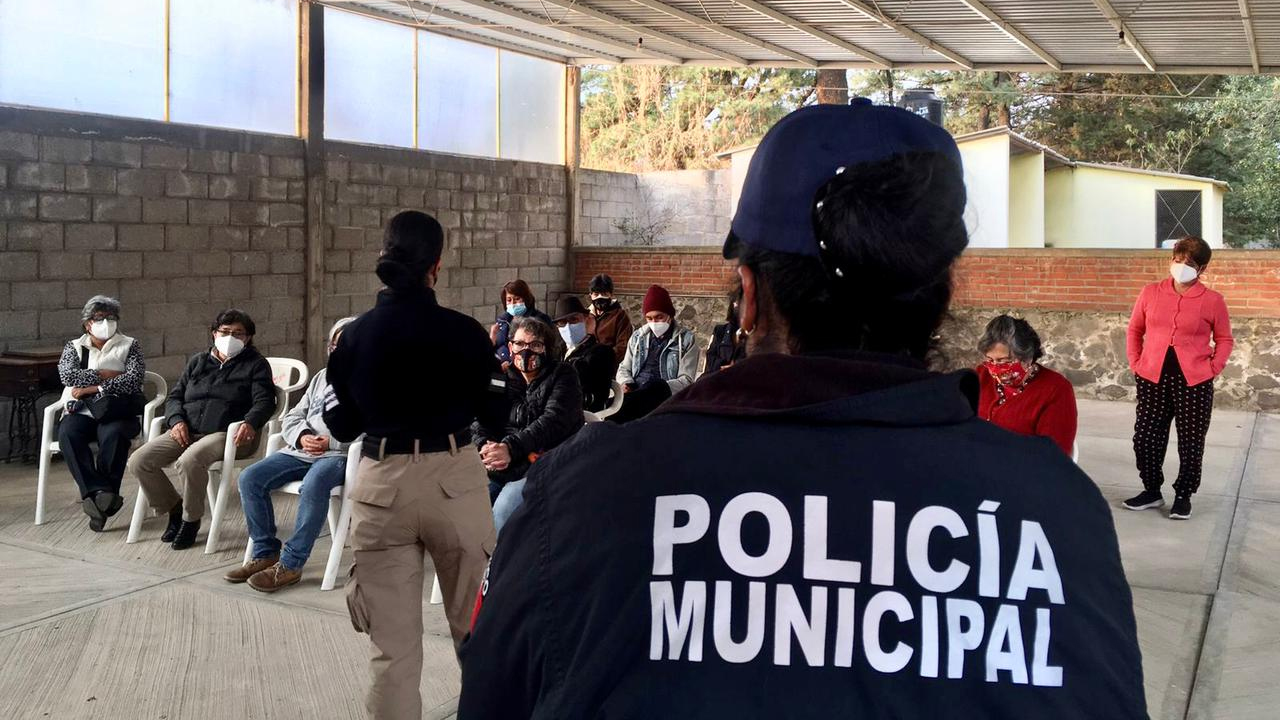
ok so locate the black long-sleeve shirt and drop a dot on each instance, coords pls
(411, 369)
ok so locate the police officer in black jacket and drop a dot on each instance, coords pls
(412, 376)
(825, 529)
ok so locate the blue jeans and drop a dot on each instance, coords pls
(318, 478)
(510, 498)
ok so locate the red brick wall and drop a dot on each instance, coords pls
(1076, 280)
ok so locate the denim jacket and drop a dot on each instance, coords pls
(679, 359)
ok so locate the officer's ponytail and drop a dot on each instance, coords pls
(889, 232)
(412, 245)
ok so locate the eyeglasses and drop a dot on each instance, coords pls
(97, 317)
(536, 345)
(237, 334)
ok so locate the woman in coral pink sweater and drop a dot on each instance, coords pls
(1179, 340)
(1019, 394)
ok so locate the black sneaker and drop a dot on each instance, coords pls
(1145, 499)
(186, 535)
(175, 522)
(1181, 509)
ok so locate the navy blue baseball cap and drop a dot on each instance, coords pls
(808, 148)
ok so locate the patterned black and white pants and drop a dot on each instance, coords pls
(1164, 402)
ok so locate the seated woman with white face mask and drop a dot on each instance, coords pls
(103, 372)
(227, 383)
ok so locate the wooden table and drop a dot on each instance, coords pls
(25, 376)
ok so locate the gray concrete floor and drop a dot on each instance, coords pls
(91, 627)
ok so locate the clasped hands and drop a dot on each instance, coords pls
(495, 456)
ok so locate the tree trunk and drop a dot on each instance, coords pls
(887, 75)
(984, 117)
(1002, 80)
(833, 87)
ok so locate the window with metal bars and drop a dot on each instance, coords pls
(1178, 214)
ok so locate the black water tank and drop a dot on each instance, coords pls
(923, 102)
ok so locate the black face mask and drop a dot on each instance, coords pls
(528, 361)
(602, 304)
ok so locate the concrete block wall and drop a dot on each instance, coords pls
(180, 222)
(696, 205)
(177, 222)
(503, 220)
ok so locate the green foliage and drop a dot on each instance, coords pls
(643, 118)
(639, 118)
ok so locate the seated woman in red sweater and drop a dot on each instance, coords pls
(1019, 394)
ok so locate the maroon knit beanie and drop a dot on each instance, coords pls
(658, 299)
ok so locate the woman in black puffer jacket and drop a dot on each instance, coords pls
(546, 410)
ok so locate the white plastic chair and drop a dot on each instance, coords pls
(340, 506)
(288, 374)
(49, 442)
(614, 405)
(339, 509)
(220, 483)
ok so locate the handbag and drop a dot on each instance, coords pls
(105, 407)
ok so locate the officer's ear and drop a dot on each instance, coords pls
(434, 273)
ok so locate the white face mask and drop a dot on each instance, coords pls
(1183, 273)
(103, 329)
(228, 345)
(574, 334)
(659, 328)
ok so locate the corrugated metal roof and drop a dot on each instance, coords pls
(1017, 35)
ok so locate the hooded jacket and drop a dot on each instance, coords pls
(817, 537)
(210, 395)
(543, 415)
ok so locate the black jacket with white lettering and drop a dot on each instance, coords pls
(595, 608)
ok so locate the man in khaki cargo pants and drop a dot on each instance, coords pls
(412, 376)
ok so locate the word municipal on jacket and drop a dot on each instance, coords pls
(825, 623)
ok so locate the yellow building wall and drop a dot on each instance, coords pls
(986, 179)
(1059, 206)
(1089, 207)
(1026, 200)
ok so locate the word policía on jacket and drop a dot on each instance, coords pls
(951, 634)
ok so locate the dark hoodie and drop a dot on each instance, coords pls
(807, 537)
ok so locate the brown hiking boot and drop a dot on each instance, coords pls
(243, 572)
(274, 578)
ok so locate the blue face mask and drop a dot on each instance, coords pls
(516, 310)
(574, 334)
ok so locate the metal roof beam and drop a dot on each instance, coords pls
(812, 31)
(570, 51)
(594, 38)
(1113, 17)
(1247, 19)
(726, 31)
(905, 31)
(1014, 33)
(641, 29)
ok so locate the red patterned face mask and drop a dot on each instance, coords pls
(1011, 378)
(1009, 372)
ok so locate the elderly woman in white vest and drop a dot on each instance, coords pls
(103, 372)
